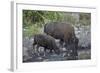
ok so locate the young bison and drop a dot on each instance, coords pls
(46, 41)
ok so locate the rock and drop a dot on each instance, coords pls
(84, 36)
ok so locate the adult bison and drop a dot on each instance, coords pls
(66, 34)
(63, 31)
(46, 41)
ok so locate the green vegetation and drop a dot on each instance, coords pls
(85, 19)
(33, 21)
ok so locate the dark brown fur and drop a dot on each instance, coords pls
(62, 31)
(46, 41)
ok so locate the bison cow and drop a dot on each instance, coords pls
(63, 31)
(46, 41)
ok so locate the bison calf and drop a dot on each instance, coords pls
(46, 41)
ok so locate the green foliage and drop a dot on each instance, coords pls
(85, 18)
(33, 20)
(31, 30)
(31, 17)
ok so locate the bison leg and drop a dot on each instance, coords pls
(72, 53)
(45, 51)
(36, 49)
(61, 43)
(51, 51)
